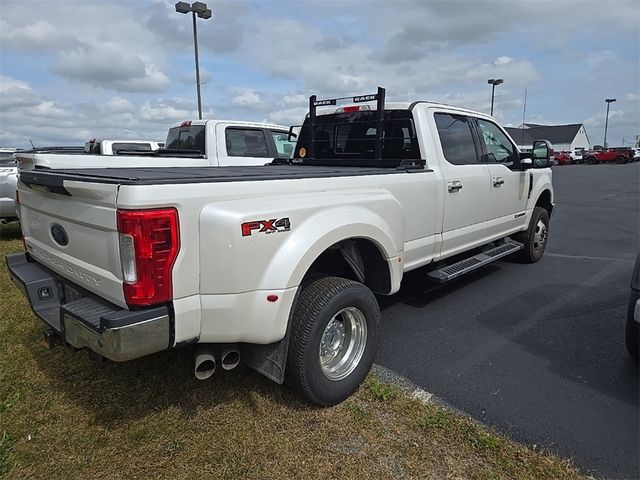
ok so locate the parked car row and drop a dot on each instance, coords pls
(617, 155)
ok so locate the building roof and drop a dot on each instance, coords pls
(556, 134)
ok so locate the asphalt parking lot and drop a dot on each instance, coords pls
(537, 351)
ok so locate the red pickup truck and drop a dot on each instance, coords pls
(617, 155)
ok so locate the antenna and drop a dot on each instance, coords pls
(32, 145)
(524, 112)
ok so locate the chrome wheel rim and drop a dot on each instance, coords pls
(540, 236)
(342, 343)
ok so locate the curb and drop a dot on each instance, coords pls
(411, 389)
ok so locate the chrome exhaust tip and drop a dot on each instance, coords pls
(205, 365)
(230, 358)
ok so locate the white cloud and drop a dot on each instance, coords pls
(246, 98)
(34, 36)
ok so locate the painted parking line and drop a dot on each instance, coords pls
(587, 257)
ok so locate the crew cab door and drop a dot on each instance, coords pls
(509, 185)
(466, 183)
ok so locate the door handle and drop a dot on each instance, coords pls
(454, 186)
(498, 181)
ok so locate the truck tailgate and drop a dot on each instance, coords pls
(73, 231)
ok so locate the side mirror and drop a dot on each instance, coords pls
(291, 134)
(541, 154)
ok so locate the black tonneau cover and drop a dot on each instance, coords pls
(180, 175)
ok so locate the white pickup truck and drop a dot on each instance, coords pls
(196, 143)
(277, 265)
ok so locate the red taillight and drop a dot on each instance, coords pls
(355, 108)
(186, 123)
(152, 237)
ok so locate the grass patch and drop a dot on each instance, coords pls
(62, 416)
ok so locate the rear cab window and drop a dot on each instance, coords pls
(191, 137)
(349, 137)
(130, 147)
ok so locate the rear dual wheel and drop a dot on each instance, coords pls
(334, 339)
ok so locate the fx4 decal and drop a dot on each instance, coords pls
(266, 226)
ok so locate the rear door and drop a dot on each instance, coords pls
(509, 184)
(466, 183)
(72, 230)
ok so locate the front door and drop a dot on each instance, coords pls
(466, 184)
(509, 185)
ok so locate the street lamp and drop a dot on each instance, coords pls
(606, 122)
(493, 82)
(200, 9)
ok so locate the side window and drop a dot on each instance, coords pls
(456, 139)
(246, 143)
(283, 146)
(499, 148)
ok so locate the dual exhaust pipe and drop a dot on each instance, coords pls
(206, 363)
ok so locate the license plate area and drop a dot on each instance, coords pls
(71, 294)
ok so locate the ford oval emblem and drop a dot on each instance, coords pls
(59, 234)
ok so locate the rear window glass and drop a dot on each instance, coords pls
(246, 143)
(351, 136)
(6, 159)
(186, 138)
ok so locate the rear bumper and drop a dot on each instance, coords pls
(83, 320)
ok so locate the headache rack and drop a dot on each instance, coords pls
(379, 141)
(378, 97)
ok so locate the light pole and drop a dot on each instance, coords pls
(606, 121)
(493, 82)
(200, 9)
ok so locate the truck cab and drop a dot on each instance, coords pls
(227, 143)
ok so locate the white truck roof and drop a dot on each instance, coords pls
(230, 122)
(401, 106)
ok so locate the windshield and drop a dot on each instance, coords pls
(186, 138)
(349, 138)
(6, 159)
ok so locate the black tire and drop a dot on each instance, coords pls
(632, 334)
(620, 160)
(591, 160)
(318, 303)
(534, 249)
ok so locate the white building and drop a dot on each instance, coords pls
(562, 137)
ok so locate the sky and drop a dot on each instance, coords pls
(74, 70)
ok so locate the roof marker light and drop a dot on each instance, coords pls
(352, 108)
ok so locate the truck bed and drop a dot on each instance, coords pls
(180, 175)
